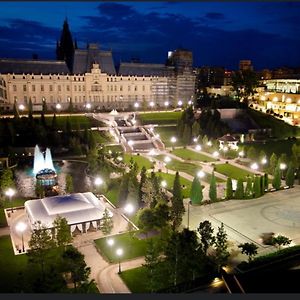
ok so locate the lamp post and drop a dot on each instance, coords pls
(254, 166)
(21, 227)
(201, 174)
(198, 147)
(282, 167)
(88, 106)
(129, 208)
(166, 104)
(119, 253)
(21, 108)
(167, 160)
(10, 193)
(98, 182)
(58, 107)
(173, 141)
(110, 242)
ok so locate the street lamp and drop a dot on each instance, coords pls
(10, 193)
(130, 143)
(216, 154)
(58, 106)
(254, 166)
(190, 102)
(167, 160)
(21, 227)
(119, 253)
(201, 174)
(179, 103)
(166, 103)
(264, 161)
(21, 107)
(198, 148)
(136, 105)
(164, 184)
(98, 182)
(151, 104)
(282, 167)
(110, 242)
(129, 208)
(88, 106)
(209, 144)
(241, 153)
(173, 141)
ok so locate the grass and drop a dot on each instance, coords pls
(166, 133)
(131, 245)
(6, 204)
(192, 155)
(177, 165)
(76, 121)
(278, 147)
(169, 178)
(160, 118)
(140, 160)
(232, 171)
(136, 280)
(114, 148)
(279, 128)
(102, 137)
(112, 193)
(10, 265)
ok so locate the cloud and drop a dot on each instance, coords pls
(215, 16)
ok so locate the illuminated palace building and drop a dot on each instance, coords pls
(90, 77)
(283, 97)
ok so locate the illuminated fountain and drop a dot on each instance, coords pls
(43, 168)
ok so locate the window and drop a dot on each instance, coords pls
(121, 88)
(83, 88)
(33, 88)
(68, 88)
(79, 88)
(129, 88)
(24, 88)
(143, 88)
(75, 88)
(135, 88)
(59, 88)
(42, 88)
(50, 88)
(14, 88)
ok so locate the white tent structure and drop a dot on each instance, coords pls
(82, 210)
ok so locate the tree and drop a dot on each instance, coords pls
(196, 129)
(16, 111)
(70, 108)
(280, 240)
(249, 187)
(73, 262)
(54, 123)
(152, 261)
(229, 191)
(221, 247)
(63, 235)
(148, 192)
(207, 239)
(6, 180)
(262, 155)
(213, 188)
(296, 156)
(196, 194)
(290, 176)
(187, 134)
(257, 187)
(69, 184)
(162, 215)
(251, 153)
(266, 180)
(107, 222)
(143, 177)
(146, 220)
(273, 163)
(44, 108)
(250, 249)
(276, 182)
(40, 243)
(239, 192)
(123, 191)
(177, 209)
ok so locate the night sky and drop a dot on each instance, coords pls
(219, 34)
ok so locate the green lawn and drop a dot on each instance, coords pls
(76, 121)
(10, 265)
(232, 171)
(192, 155)
(169, 178)
(166, 133)
(279, 128)
(6, 204)
(140, 160)
(132, 247)
(278, 147)
(112, 192)
(102, 137)
(177, 165)
(159, 117)
(136, 280)
(114, 148)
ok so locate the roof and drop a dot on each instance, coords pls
(76, 208)
(84, 59)
(18, 66)
(228, 138)
(140, 69)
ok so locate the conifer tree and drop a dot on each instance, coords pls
(143, 177)
(177, 209)
(229, 191)
(239, 193)
(196, 194)
(273, 163)
(213, 188)
(249, 187)
(290, 176)
(256, 187)
(276, 182)
(266, 181)
(107, 222)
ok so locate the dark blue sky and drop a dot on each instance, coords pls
(218, 33)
